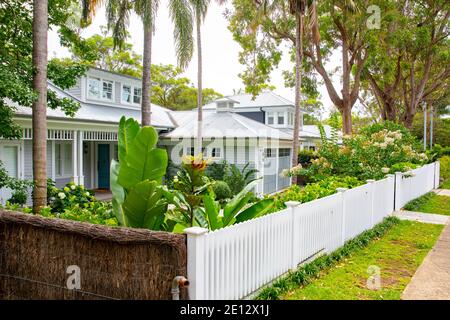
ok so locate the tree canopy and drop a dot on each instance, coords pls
(16, 68)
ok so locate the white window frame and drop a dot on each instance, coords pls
(281, 115)
(190, 151)
(271, 114)
(100, 97)
(19, 159)
(220, 152)
(62, 147)
(133, 87)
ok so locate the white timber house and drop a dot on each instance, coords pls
(237, 129)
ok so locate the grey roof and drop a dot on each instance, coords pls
(92, 112)
(264, 99)
(312, 131)
(222, 124)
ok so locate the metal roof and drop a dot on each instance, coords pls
(264, 99)
(222, 125)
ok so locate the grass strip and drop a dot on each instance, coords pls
(308, 272)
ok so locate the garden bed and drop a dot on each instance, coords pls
(430, 203)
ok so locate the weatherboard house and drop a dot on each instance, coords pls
(236, 128)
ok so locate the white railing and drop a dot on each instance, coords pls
(415, 183)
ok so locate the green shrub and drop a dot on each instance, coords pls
(367, 155)
(222, 190)
(216, 170)
(67, 197)
(18, 197)
(238, 179)
(415, 204)
(305, 156)
(402, 167)
(445, 167)
(313, 191)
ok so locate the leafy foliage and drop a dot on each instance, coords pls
(16, 69)
(222, 190)
(371, 154)
(312, 191)
(138, 197)
(72, 194)
(17, 186)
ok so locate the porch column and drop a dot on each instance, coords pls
(75, 156)
(80, 158)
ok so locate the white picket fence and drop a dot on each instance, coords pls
(233, 262)
(413, 184)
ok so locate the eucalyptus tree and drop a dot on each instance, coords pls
(410, 64)
(341, 25)
(118, 15)
(39, 110)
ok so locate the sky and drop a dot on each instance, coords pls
(221, 67)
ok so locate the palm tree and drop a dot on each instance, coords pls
(200, 8)
(40, 27)
(118, 13)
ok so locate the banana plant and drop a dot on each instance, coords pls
(138, 198)
(210, 215)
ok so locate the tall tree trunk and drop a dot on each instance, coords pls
(40, 28)
(298, 86)
(146, 76)
(346, 119)
(200, 87)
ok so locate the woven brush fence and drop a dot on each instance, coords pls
(38, 256)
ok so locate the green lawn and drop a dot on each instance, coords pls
(446, 185)
(430, 203)
(398, 254)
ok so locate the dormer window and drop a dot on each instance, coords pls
(100, 89)
(131, 94)
(280, 118)
(270, 118)
(290, 118)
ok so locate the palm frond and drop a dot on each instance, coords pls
(89, 8)
(147, 10)
(182, 17)
(118, 18)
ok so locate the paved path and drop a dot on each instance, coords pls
(442, 192)
(421, 217)
(432, 280)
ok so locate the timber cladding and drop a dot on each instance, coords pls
(36, 255)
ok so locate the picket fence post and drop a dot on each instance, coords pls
(398, 180)
(371, 182)
(292, 205)
(437, 172)
(392, 178)
(195, 262)
(342, 192)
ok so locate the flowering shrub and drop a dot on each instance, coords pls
(68, 197)
(97, 212)
(368, 155)
(313, 191)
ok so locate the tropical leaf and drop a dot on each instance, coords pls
(118, 193)
(212, 212)
(256, 210)
(145, 206)
(143, 161)
(237, 203)
(199, 215)
(128, 129)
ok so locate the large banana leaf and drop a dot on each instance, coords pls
(145, 206)
(143, 160)
(128, 129)
(118, 193)
(237, 203)
(212, 209)
(257, 209)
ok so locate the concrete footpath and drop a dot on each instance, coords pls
(432, 280)
(421, 217)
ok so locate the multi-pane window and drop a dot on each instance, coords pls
(215, 152)
(63, 159)
(269, 153)
(270, 118)
(137, 93)
(131, 94)
(126, 93)
(107, 92)
(100, 89)
(280, 118)
(284, 152)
